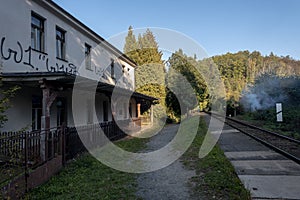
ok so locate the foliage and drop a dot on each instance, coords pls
(261, 97)
(243, 68)
(237, 71)
(182, 75)
(179, 86)
(12, 167)
(5, 96)
(269, 89)
(150, 73)
(130, 44)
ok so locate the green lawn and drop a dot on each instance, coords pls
(215, 177)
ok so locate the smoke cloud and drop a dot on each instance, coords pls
(264, 94)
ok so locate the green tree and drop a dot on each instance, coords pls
(150, 73)
(148, 49)
(242, 68)
(5, 95)
(131, 47)
(181, 95)
(130, 42)
(187, 67)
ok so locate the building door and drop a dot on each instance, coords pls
(130, 110)
(61, 111)
(36, 112)
(105, 111)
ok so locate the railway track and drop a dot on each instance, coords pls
(284, 145)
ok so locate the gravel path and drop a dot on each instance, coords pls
(167, 183)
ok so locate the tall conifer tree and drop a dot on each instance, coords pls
(150, 73)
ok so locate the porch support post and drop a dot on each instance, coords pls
(151, 114)
(138, 110)
(48, 99)
(45, 124)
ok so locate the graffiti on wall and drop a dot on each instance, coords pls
(40, 62)
(26, 56)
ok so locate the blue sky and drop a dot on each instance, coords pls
(219, 26)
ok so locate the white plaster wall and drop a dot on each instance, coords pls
(20, 114)
(15, 34)
(122, 109)
(125, 79)
(15, 38)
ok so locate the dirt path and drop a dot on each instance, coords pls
(170, 182)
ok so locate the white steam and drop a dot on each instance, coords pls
(266, 92)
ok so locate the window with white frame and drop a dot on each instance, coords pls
(60, 43)
(37, 33)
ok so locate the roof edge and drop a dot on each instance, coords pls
(85, 28)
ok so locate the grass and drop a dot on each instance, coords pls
(215, 177)
(87, 178)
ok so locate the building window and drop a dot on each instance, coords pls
(37, 33)
(112, 69)
(60, 43)
(36, 112)
(87, 53)
(123, 69)
(123, 72)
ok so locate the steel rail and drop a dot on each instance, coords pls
(264, 142)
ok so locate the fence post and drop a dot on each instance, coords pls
(26, 161)
(63, 144)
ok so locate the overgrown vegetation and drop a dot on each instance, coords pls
(215, 177)
(5, 97)
(267, 119)
(9, 166)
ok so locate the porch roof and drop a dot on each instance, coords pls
(66, 81)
